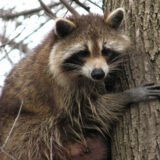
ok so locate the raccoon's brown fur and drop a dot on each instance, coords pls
(57, 114)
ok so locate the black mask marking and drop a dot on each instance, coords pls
(75, 61)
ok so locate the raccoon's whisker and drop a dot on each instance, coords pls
(118, 61)
(115, 71)
(115, 65)
(120, 57)
(114, 68)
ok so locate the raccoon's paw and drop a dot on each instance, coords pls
(146, 92)
(152, 91)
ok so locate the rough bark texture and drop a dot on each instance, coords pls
(137, 135)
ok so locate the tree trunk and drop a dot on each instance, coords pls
(137, 135)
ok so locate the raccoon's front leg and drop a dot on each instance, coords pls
(146, 92)
(113, 104)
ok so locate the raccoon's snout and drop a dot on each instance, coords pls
(97, 74)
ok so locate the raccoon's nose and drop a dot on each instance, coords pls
(97, 74)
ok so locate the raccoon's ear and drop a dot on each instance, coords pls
(64, 27)
(115, 18)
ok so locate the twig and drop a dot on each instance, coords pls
(7, 57)
(71, 9)
(82, 5)
(47, 10)
(67, 10)
(28, 36)
(10, 132)
(51, 148)
(24, 13)
(8, 155)
(95, 4)
(41, 25)
(15, 121)
(8, 41)
(13, 44)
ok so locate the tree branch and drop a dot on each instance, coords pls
(71, 9)
(82, 5)
(26, 37)
(41, 25)
(6, 16)
(7, 57)
(94, 4)
(47, 10)
(9, 134)
(19, 45)
(51, 148)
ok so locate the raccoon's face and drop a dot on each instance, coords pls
(88, 46)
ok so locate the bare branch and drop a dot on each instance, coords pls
(15, 121)
(94, 4)
(7, 57)
(51, 148)
(11, 42)
(47, 10)
(71, 9)
(10, 132)
(21, 42)
(19, 45)
(23, 13)
(41, 25)
(82, 5)
(7, 154)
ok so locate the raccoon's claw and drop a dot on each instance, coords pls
(152, 91)
(146, 92)
(148, 84)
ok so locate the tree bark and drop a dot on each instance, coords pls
(137, 135)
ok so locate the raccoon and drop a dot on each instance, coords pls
(67, 112)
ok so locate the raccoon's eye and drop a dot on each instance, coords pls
(83, 53)
(107, 52)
